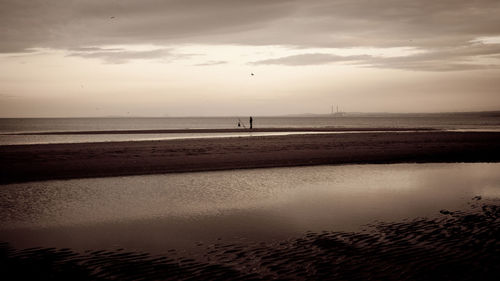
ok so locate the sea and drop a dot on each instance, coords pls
(11, 128)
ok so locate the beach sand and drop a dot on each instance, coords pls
(453, 245)
(21, 163)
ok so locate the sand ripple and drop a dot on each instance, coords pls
(459, 245)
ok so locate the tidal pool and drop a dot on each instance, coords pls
(159, 212)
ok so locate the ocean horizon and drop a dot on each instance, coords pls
(465, 120)
(11, 128)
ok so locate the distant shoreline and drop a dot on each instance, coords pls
(22, 163)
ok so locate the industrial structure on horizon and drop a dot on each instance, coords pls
(337, 113)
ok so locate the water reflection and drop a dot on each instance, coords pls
(246, 204)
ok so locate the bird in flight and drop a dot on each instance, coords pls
(252, 74)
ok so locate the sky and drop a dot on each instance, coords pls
(91, 58)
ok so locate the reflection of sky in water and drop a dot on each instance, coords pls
(248, 202)
(294, 193)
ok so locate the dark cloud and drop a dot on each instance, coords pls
(433, 66)
(94, 49)
(7, 96)
(426, 24)
(118, 56)
(209, 63)
(311, 59)
(444, 59)
(438, 59)
(66, 23)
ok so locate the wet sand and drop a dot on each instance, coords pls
(239, 130)
(452, 245)
(21, 163)
(456, 245)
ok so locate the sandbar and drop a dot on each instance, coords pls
(22, 163)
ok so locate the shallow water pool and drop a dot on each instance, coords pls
(159, 212)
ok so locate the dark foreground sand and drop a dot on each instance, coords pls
(22, 163)
(454, 245)
(460, 245)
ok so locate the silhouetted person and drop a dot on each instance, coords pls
(239, 124)
(251, 121)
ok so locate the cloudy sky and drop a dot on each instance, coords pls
(195, 57)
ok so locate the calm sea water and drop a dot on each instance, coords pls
(479, 121)
(157, 212)
(471, 121)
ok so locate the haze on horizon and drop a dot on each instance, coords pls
(63, 58)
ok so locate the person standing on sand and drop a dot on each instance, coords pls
(251, 121)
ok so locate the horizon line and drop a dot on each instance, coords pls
(279, 115)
